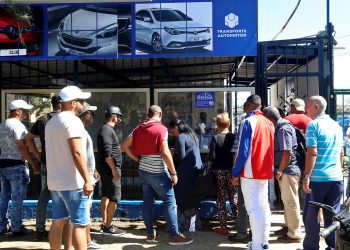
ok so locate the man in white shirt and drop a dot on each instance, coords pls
(14, 174)
(68, 178)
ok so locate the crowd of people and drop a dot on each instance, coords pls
(264, 148)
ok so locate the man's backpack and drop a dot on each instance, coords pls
(300, 152)
(301, 148)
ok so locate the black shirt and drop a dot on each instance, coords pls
(108, 145)
(38, 129)
(220, 151)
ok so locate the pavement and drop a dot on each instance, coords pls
(205, 239)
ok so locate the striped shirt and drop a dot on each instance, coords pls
(153, 163)
(327, 136)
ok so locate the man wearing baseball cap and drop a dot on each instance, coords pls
(109, 165)
(297, 116)
(68, 178)
(14, 174)
(87, 117)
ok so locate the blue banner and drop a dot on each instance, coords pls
(205, 99)
(128, 30)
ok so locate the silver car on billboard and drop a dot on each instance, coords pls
(170, 29)
(102, 29)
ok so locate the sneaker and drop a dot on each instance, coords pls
(23, 231)
(240, 238)
(179, 240)
(287, 239)
(5, 231)
(263, 247)
(249, 246)
(113, 230)
(102, 227)
(266, 246)
(153, 238)
(39, 236)
(220, 230)
(282, 231)
(93, 245)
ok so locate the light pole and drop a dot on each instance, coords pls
(331, 99)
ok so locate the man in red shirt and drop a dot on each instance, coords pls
(298, 117)
(148, 145)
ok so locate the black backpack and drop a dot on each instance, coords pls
(301, 148)
(300, 151)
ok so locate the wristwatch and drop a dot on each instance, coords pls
(306, 176)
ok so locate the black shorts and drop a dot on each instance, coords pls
(111, 189)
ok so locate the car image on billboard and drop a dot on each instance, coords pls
(171, 28)
(20, 33)
(93, 30)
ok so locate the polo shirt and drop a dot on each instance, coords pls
(327, 136)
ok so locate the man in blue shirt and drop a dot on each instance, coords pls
(323, 179)
(287, 173)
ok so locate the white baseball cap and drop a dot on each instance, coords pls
(299, 104)
(70, 93)
(87, 107)
(20, 104)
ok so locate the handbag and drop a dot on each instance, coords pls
(206, 184)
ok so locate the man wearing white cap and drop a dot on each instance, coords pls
(68, 178)
(297, 116)
(14, 173)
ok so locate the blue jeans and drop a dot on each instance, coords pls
(161, 185)
(329, 193)
(43, 200)
(14, 182)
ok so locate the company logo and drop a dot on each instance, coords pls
(231, 20)
(205, 99)
(205, 96)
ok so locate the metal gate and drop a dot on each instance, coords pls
(288, 69)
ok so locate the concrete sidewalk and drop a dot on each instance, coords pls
(135, 238)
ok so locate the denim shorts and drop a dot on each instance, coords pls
(71, 204)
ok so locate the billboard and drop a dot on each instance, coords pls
(21, 31)
(132, 30)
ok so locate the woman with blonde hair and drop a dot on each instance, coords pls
(222, 158)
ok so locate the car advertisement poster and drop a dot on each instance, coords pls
(89, 30)
(174, 28)
(130, 30)
(21, 31)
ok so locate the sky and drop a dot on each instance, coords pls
(310, 18)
